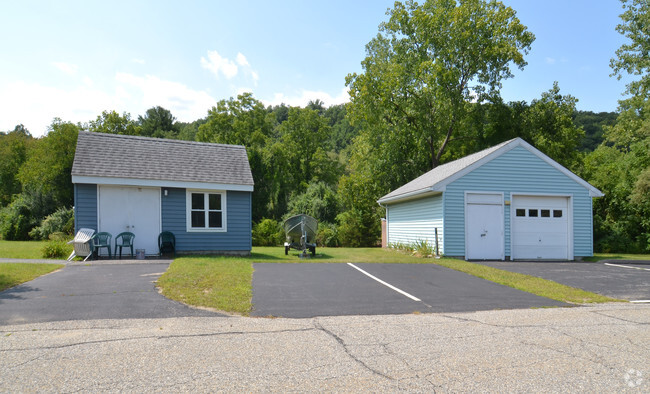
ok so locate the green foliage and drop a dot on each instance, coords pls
(56, 250)
(157, 122)
(594, 126)
(548, 125)
(13, 154)
(318, 201)
(425, 66)
(268, 232)
(632, 57)
(49, 164)
(16, 220)
(424, 249)
(620, 167)
(113, 123)
(327, 235)
(61, 221)
(358, 228)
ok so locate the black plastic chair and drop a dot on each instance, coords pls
(166, 243)
(124, 240)
(102, 240)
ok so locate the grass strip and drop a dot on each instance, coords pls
(22, 249)
(13, 274)
(530, 284)
(617, 256)
(223, 283)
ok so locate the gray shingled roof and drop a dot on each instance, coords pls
(120, 156)
(431, 179)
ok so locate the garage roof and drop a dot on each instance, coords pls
(437, 179)
(130, 160)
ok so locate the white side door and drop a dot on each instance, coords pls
(484, 222)
(133, 209)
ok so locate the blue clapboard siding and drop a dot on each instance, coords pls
(238, 236)
(85, 206)
(518, 171)
(416, 220)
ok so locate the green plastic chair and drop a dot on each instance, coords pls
(166, 243)
(124, 240)
(102, 240)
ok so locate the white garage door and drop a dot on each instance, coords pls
(540, 227)
(133, 209)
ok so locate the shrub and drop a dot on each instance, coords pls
(318, 201)
(61, 221)
(268, 232)
(423, 248)
(56, 250)
(327, 235)
(16, 220)
(357, 228)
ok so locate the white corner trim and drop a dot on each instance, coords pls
(160, 183)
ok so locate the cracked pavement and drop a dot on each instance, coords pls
(590, 348)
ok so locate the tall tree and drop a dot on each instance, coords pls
(49, 163)
(113, 123)
(158, 122)
(13, 153)
(245, 121)
(548, 125)
(426, 65)
(621, 165)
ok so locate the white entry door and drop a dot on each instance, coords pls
(484, 224)
(133, 209)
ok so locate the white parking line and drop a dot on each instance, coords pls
(384, 283)
(641, 301)
(625, 266)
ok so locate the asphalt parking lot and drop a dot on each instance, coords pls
(625, 280)
(320, 289)
(94, 291)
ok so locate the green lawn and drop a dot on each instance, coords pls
(13, 274)
(617, 256)
(21, 249)
(225, 283)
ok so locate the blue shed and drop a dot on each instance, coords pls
(200, 192)
(509, 201)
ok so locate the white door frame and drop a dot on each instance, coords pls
(501, 203)
(569, 198)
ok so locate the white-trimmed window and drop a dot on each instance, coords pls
(206, 211)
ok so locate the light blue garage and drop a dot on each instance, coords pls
(510, 201)
(200, 192)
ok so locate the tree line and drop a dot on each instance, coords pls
(428, 94)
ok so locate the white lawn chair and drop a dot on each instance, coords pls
(82, 243)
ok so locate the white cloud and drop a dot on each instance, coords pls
(303, 98)
(35, 105)
(241, 60)
(138, 61)
(219, 65)
(68, 68)
(185, 104)
(550, 60)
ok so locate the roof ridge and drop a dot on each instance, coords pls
(158, 139)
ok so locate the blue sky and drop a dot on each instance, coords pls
(74, 59)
